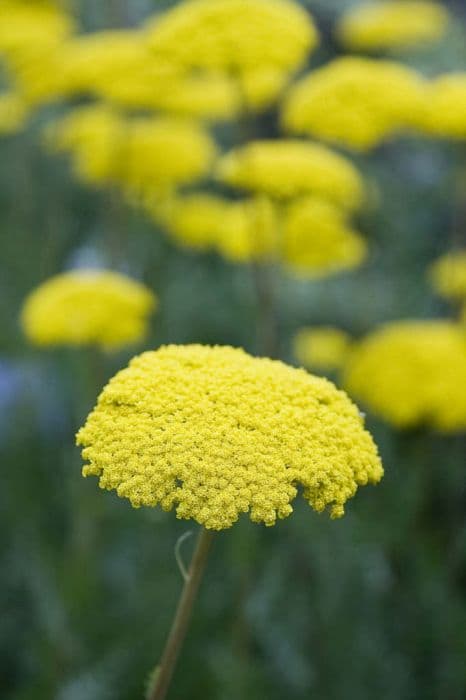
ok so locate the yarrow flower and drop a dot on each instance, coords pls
(142, 155)
(444, 112)
(321, 347)
(412, 373)
(448, 275)
(88, 307)
(310, 236)
(318, 240)
(235, 36)
(357, 102)
(290, 168)
(393, 24)
(214, 432)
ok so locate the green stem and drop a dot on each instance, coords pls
(267, 331)
(164, 671)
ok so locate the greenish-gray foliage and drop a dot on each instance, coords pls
(370, 606)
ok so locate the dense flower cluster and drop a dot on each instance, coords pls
(444, 112)
(310, 235)
(214, 432)
(392, 24)
(235, 36)
(317, 239)
(448, 275)
(411, 373)
(358, 102)
(143, 154)
(321, 347)
(88, 307)
(289, 168)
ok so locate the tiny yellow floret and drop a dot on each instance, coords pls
(412, 373)
(285, 169)
(88, 307)
(394, 24)
(321, 347)
(214, 432)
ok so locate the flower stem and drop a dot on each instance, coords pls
(164, 672)
(267, 331)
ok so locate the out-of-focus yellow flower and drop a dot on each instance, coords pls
(88, 307)
(214, 432)
(13, 113)
(318, 241)
(411, 373)
(32, 24)
(94, 136)
(143, 155)
(322, 347)
(161, 153)
(444, 112)
(234, 35)
(310, 236)
(285, 169)
(393, 24)
(357, 102)
(448, 275)
(249, 231)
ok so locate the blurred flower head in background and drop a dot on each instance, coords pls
(88, 307)
(412, 373)
(215, 433)
(448, 275)
(321, 347)
(356, 102)
(392, 25)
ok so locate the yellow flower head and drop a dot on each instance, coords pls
(448, 275)
(214, 432)
(162, 153)
(412, 372)
(317, 239)
(323, 348)
(444, 112)
(88, 307)
(234, 35)
(285, 169)
(357, 102)
(32, 24)
(393, 24)
(13, 113)
(94, 136)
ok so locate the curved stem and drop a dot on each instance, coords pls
(163, 673)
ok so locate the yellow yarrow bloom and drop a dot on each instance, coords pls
(318, 241)
(448, 275)
(321, 347)
(32, 24)
(88, 307)
(412, 373)
(393, 24)
(310, 236)
(289, 168)
(142, 155)
(161, 153)
(357, 102)
(13, 113)
(214, 432)
(235, 36)
(94, 136)
(444, 112)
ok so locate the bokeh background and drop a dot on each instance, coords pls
(372, 605)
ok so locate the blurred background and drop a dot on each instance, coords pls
(372, 605)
